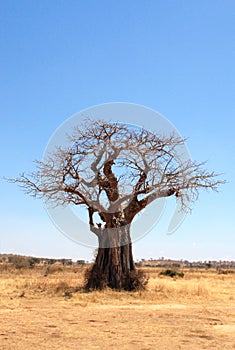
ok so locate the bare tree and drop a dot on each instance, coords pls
(116, 171)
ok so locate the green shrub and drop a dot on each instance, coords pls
(171, 273)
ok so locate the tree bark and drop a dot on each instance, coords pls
(114, 265)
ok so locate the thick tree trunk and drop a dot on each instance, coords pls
(114, 265)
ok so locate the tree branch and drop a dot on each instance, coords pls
(147, 166)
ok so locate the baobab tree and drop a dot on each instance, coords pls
(115, 171)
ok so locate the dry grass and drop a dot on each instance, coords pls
(54, 281)
(50, 305)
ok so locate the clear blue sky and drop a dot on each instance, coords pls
(177, 57)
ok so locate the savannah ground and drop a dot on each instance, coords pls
(46, 308)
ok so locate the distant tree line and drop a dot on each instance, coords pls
(168, 263)
(20, 262)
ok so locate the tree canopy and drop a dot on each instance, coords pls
(112, 166)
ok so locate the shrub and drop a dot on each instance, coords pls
(94, 280)
(81, 262)
(19, 262)
(171, 273)
(4, 267)
(138, 280)
(33, 261)
(225, 272)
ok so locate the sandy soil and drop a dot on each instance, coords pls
(112, 320)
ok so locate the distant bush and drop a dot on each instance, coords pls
(171, 273)
(225, 272)
(4, 267)
(81, 262)
(19, 262)
(33, 261)
(22, 262)
(51, 261)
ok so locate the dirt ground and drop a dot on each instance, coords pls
(39, 311)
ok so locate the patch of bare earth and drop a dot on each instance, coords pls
(48, 312)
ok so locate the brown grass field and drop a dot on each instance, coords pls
(47, 309)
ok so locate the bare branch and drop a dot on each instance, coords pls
(110, 168)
